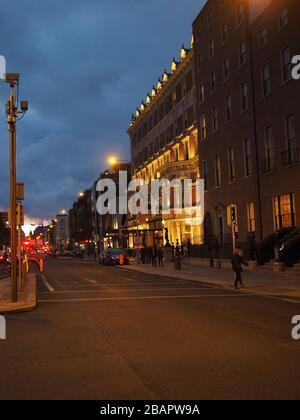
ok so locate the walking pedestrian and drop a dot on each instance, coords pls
(161, 257)
(237, 262)
(154, 256)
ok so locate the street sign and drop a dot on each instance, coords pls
(138, 242)
(20, 191)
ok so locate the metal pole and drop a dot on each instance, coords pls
(13, 232)
(20, 258)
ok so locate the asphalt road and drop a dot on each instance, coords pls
(107, 333)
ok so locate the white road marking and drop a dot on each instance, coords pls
(145, 298)
(130, 290)
(48, 285)
(91, 281)
(125, 284)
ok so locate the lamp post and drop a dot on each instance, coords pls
(12, 114)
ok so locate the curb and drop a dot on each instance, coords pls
(221, 286)
(28, 305)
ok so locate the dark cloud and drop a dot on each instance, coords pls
(85, 66)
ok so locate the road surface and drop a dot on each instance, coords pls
(108, 333)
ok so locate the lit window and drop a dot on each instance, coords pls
(203, 127)
(251, 217)
(284, 211)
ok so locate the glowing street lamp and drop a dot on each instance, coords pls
(112, 160)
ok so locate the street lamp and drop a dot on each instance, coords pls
(112, 160)
(81, 194)
(13, 115)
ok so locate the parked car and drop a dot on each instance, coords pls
(112, 256)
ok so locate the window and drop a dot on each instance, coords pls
(270, 162)
(283, 18)
(176, 154)
(284, 211)
(225, 32)
(203, 127)
(215, 119)
(210, 17)
(291, 132)
(266, 80)
(226, 69)
(213, 83)
(205, 174)
(242, 53)
(202, 94)
(228, 108)
(251, 217)
(286, 64)
(248, 158)
(244, 97)
(186, 150)
(200, 61)
(211, 48)
(231, 164)
(263, 37)
(218, 171)
(240, 14)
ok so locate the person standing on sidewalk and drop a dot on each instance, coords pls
(237, 262)
(161, 257)
(154, 256)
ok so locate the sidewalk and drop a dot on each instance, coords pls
(260, 283)
(27, 299)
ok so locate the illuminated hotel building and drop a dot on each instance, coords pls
(164, 145)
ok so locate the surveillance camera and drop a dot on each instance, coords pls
(12, 77)
(24, 106)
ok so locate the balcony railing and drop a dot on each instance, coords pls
(269, 165)
(290, 157)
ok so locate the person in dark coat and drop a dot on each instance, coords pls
(160, 257)
(154, 256)
(143, 255)
(237, 263)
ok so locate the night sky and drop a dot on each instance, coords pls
(85, 66)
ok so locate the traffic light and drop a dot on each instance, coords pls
(20, 215)
(233, 215)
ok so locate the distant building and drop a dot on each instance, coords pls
(62, 230)
(113, 227)
(164, 145)
(4, 230)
